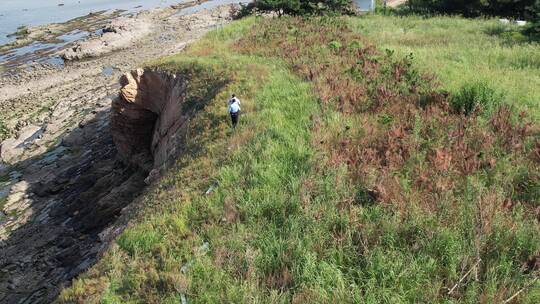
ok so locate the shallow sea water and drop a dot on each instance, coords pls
(16, 13)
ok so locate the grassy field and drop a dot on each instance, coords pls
(461, 51)
(351, 179)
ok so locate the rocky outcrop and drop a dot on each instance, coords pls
(119, 34)
(147, 117)
(125, 32)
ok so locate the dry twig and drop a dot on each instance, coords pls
(520, 291)
(464, 276)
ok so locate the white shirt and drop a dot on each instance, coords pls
(234, 105)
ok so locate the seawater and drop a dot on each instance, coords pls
(16, 13)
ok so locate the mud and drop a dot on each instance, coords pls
(63, 186)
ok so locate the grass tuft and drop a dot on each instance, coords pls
(476, 97)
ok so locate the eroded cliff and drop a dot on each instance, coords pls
(147, 117)
(69, 206)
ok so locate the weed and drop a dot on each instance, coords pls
(475, 97)
(140, 240)
(4, 178)
(527, 187)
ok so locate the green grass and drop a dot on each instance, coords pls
(260, 171)
(300, 210)
(460, 51)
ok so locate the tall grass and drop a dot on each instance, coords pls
(351, 179)
(462, 51)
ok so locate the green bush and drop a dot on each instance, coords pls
(473, 97)
(335, 45)
(512, 37)
(22, 31)
(533, 30)
(300, 7)
(525, 9)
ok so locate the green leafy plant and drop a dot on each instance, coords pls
(335, 45)
(475, 96)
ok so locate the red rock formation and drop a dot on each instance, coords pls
(147, 117)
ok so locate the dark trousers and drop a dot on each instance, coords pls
(234, 118)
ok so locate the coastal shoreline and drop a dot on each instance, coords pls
(56, 155)
(45, 44)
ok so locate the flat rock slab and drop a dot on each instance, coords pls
(12, 149)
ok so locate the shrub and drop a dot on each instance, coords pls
(512, 37)
(300, 7)
(526, 9)
(533, 30)
(475, 96)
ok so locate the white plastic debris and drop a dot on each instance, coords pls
(210, 190)
(504, 21)
(521, 22)
(204, 247)
(185, 267)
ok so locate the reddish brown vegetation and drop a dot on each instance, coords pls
(407, 127)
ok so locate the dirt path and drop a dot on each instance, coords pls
(61, 187)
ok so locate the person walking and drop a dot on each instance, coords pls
(234, 110)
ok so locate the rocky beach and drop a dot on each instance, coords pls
(63, 188)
